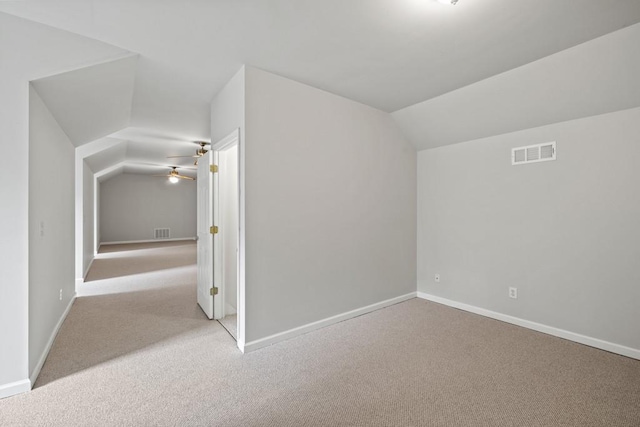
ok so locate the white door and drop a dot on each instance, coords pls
(218, 299)
(206, 183)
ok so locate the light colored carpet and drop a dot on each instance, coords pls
(150, 358)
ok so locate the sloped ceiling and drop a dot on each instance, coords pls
(386, 53)
(91, 102)
(390, 54)
(108, 157)
(594, 78)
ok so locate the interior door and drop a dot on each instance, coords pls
(218, 299)
(205, 185)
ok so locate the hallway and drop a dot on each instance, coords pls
(148, 299)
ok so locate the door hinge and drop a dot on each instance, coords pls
(213, 168)
(213, 229)
(213, 291)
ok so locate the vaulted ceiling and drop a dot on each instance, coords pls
(431, 64)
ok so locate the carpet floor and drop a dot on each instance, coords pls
(150, 358)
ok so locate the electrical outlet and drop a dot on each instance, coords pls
(437, 278)
(513, 293)
(60, 294)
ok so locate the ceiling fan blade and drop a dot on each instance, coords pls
(185, 177)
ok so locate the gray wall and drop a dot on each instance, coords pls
(330, 205)
(98, 235)
(229, 214)
(49, 51)
(227, 108)
(51, 226)
(565, 233)
(88, 225)
(131, 206)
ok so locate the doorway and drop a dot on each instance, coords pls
(221, 235)
(229, 214)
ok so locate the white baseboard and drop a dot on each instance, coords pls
(124, 242)
(14, 388)
(45, 352)
(300, 330)
(561, 333)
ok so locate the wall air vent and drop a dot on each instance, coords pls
(533, 153)
(161, 233)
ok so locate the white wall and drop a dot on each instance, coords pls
(88, 201)
(227, 108)
(131, 206)
(51, 227)
(97, 234)
(565, 233)
(330, 206)
(229, 212)
(49, 51)
(97, 195)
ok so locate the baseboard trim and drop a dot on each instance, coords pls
(124, 242)
(300, 330)
(17, 387)
(45, 352)
(561, 333)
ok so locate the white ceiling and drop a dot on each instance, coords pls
(593, 78)
(390, 54)
(91, 102)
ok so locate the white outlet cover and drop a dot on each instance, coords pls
(513, 293)
(437, 278)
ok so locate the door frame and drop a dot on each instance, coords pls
(234, 138)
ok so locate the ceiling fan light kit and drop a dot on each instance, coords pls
(175, 177)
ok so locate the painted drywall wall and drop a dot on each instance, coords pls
(51, 227)
(564, 233)
(330, 205)
(596, 77)
(49, 52)
(88, 201)
(132, 206)
(97, 234)
(229, 213)
(227, 108)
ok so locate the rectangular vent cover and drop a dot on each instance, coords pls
(161, 233)
(533, 153)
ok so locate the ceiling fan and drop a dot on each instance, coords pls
(199, 152)
(174, 176)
